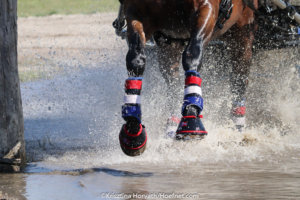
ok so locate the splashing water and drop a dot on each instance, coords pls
(75, 120)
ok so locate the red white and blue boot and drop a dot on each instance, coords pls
(238, 115)
(191, 126)
(133, 136)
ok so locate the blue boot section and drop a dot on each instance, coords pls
(129, 111)
(195, 100)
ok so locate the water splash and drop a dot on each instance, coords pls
(84, 119)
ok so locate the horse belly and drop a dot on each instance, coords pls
(177, 33)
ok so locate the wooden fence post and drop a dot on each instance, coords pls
(12, 145)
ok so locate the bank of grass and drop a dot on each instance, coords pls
(49, 7)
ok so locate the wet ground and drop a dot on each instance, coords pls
(72, 119)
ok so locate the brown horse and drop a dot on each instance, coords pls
(198, 22)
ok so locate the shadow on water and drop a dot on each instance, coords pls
(33, 169)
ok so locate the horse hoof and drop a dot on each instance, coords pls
(186, 137)
(190, 128)
(239, 123)
(133, 144)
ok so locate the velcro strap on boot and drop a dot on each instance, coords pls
(129, 110)
(194, 100)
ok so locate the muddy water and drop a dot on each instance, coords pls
(252, 180)
(72, 124)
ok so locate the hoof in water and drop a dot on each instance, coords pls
(239, 123)
(133, 144)
(190, 128)
(186, 137)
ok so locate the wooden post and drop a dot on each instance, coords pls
(12, 146)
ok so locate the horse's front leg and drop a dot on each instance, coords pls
(133, 136)
(203, 23)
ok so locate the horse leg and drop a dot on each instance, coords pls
(241, 62)
(169, 56)
(133, 136)
(190, 125)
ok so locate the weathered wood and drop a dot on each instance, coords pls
(10, 161)
(9, 168)
(14, 151)
(11, 117)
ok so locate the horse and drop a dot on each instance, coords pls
(197, 22)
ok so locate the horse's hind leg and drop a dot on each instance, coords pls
(191, 125)
(241, 61)
(169, 56)
(133, 136)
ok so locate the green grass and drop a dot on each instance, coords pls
(30, 76)
(49, 7)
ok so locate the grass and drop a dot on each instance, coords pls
(49, 7)
(30, 75)
(31, 69)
